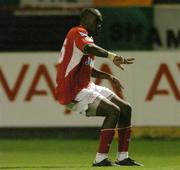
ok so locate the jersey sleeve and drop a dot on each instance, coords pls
(82, 39)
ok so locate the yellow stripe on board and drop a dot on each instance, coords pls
(155, 132)
(118, 3)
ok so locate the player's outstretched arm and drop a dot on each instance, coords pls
(100, 52)
(95, 50)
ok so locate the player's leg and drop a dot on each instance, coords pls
(124, 132)
(124, 127)
(90, 102)
(111, 113)
(124, 122)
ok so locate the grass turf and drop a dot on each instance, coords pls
(78, 154)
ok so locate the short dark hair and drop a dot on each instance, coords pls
(86, 11)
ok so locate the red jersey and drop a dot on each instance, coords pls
(74, 67)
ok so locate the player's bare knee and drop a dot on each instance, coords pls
(128, 108)
(128, 111)
(115, 112)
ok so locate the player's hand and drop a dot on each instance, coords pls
(117, 84)
(119, 61)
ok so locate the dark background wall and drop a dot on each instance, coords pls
(34, 33)
(123, 29)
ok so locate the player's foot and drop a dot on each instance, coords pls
(105, 162)
(128, 162)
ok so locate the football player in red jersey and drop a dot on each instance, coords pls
(76, 90)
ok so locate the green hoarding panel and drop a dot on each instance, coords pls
(126, 28)
(9, 2)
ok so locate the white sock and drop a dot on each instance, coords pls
(100, 157)
(122, 155)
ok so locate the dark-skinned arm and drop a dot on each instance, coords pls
(103, 75)
(118, 60)
(95, 50)
(100, 74)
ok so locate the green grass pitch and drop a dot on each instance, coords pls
(47, 154)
